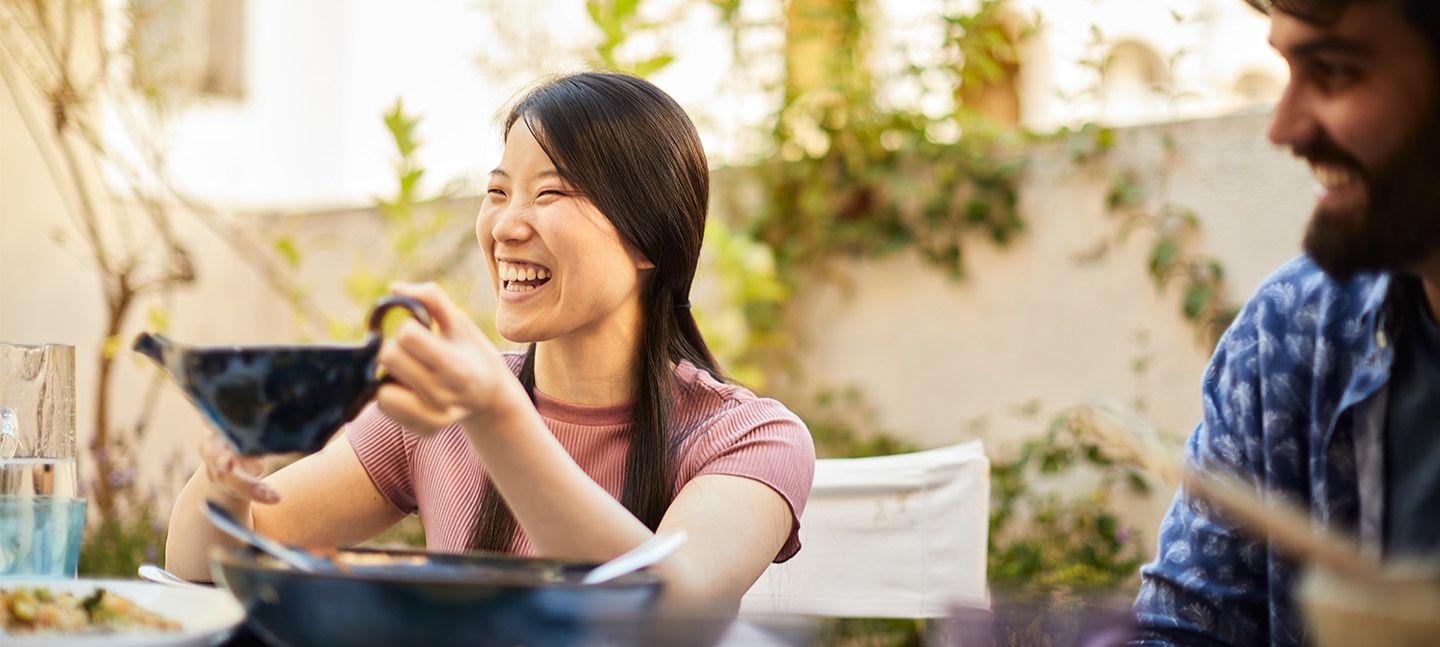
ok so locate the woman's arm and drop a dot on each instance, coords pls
(736, 525)
(324, 499)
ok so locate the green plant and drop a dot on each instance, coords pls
(871, 632)
(1041, 542)
(882, 185)
(1174, 255)
(619, 21)
(848, 175)
(424, 237)
(855, 176)
(844, 427)
(116, 546)
(409, 533)
(748, 287)
(984, 47)
(1142, 205)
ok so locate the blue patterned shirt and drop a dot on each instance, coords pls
(1294, 404)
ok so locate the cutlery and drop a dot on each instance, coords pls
(293, 557)
(648, 553)
(154, 573)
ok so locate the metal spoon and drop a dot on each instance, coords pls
(156, 574)
(292, 557)
(648, 553)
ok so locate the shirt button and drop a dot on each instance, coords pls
(1381, 339)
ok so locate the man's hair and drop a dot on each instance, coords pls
(1423, 15)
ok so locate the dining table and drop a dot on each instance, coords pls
(742, 632)
(212, 617)
(749, 630)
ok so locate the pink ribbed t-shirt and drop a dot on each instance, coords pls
(733, 432)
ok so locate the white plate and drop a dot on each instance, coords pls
(206, 617)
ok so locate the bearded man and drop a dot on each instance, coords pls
(1325, 392)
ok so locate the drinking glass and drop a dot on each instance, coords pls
(41, 516)
(40, 535)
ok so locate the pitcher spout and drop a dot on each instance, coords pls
(152, 346)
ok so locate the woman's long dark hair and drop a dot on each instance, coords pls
(630, 149)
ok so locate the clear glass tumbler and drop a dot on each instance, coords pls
(40, 535)
(42, 517)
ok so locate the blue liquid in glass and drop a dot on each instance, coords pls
(40, 536)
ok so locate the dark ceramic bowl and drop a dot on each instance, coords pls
(414, 598)
(277, 399)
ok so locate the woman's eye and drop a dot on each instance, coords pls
(495, 192)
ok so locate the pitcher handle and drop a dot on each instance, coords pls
(385, 304)
(377, 317)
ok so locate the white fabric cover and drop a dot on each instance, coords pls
(899, 536)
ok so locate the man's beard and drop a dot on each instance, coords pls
(1397, 229)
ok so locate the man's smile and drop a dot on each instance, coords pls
(1338, 186)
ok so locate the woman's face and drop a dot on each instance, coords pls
(559, 268)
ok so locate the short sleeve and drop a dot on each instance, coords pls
(763, 441)
(385, 450)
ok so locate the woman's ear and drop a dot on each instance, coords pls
(637, 258)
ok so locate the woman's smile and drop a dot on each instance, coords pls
(521, 278)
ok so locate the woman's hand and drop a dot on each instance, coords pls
(443, 376)
(233, 476)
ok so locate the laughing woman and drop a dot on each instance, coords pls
(614, 424)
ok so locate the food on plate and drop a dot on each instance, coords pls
(39, 610)
(378, 559)
(343, 560)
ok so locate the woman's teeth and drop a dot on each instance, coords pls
(510, 272)
(521, 278)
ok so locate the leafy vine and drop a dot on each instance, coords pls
(1174, 253)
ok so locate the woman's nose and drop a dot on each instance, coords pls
(511, 223)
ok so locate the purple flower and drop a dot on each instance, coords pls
(122, 477)
(1122, 534)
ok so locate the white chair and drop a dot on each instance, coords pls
(899, 536)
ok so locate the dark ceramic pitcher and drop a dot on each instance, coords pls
(277, 399)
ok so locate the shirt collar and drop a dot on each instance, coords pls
(1375, 351)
